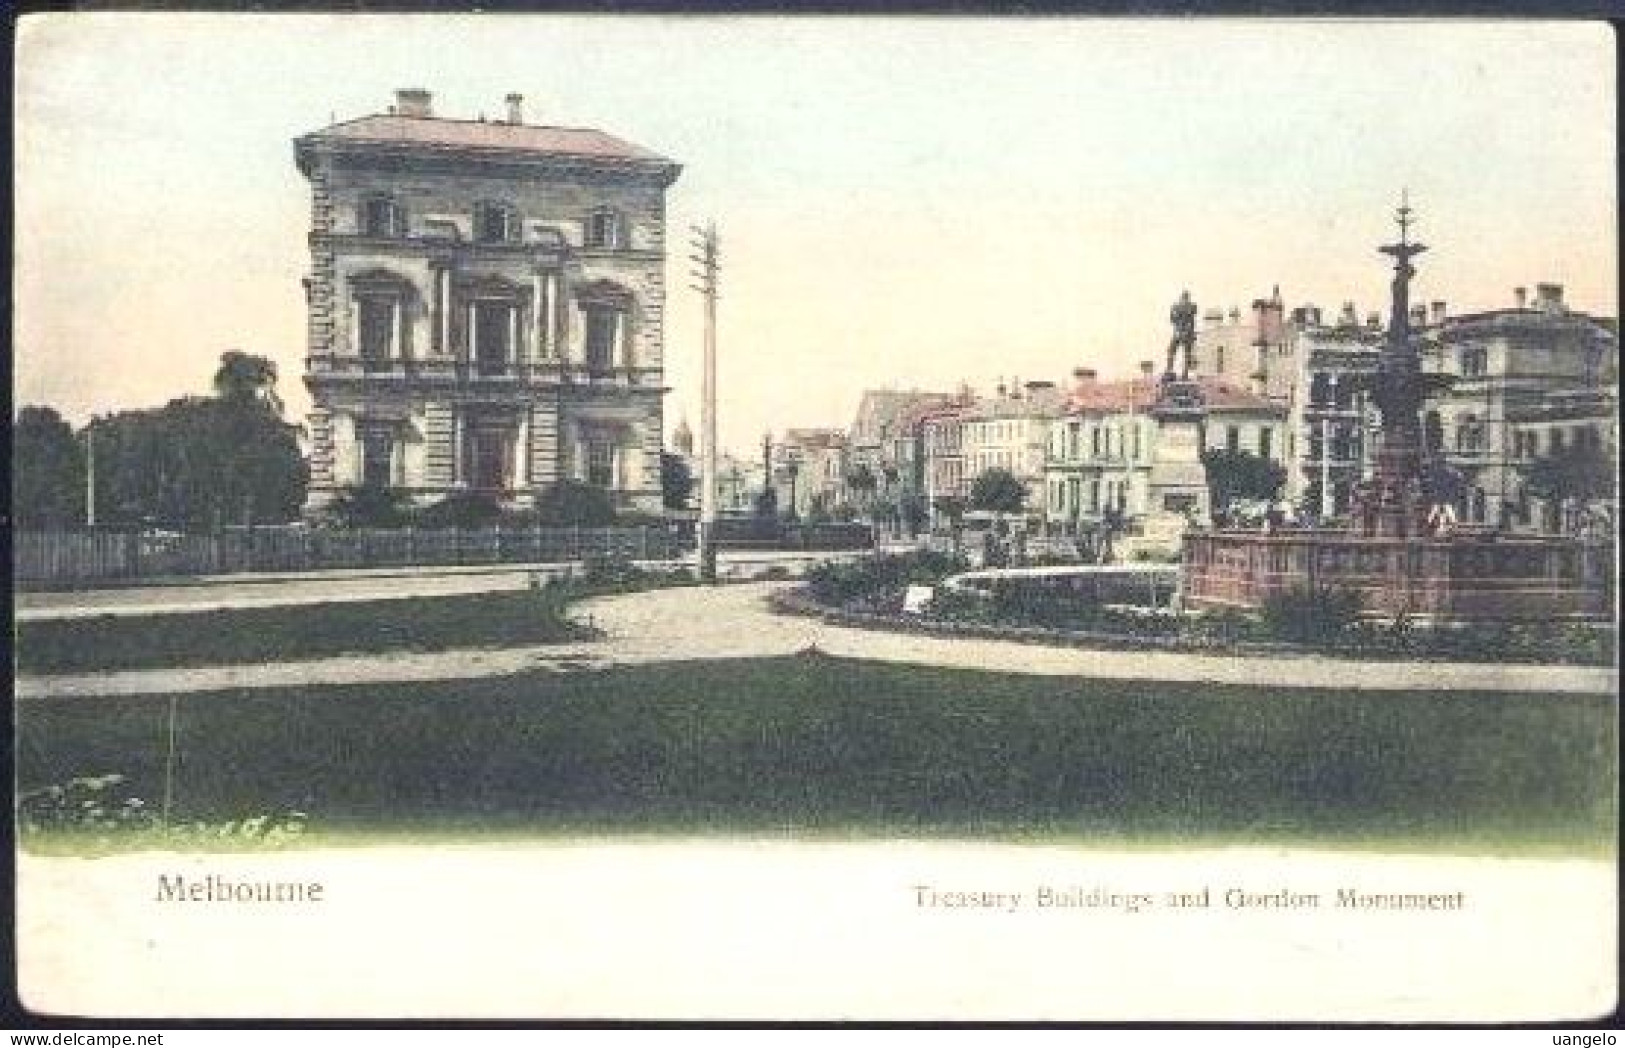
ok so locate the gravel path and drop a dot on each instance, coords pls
(734, 622)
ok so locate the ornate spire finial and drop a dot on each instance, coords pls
(1403, 216)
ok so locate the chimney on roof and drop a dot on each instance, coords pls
(1373, 319)
(1147, 366)
(1438, 312)
(1522, 296)
(1347, 318)
(1419, 314)
(1549, 297)
(413, 101)
(516, 107)
(1085, 376)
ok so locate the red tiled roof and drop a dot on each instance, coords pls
(1217, 394)
(488, 134)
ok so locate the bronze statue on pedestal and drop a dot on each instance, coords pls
(1183, 317)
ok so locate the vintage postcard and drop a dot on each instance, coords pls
(556, 517)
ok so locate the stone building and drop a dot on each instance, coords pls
(809, 471)
(1252, 351)
(886, 438)
(1529, 380)
(485, 306)
(1101, 450)
(1330, 418)
(942, 447)
(1011, 431)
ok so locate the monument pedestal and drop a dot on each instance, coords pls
(1178, 481)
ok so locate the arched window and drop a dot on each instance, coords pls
(381, 216)
(495, 223)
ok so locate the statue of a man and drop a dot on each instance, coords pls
(1183, 316)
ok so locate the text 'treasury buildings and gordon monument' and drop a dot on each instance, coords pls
(485, 304)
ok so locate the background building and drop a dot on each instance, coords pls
(485, 305)
(1251, 351)
(1530, 380)
(1011, 431)
(1100, 451)
(1330, 418)
(809, 472)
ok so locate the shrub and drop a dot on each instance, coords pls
(366, 507)
(1311, 615)
(572, 503)
(611, 568)
(466, 509)
(99, 806)
(841, 582)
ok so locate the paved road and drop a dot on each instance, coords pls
(734, 622)
(215, 593)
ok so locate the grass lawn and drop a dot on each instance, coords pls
(813, 745)
(278, 634)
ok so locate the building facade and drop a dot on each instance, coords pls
(1101, 450)
(1529, 381)
(1011, 431)
(809, 472)
(1331, 421)
(485, 307)
(1252, 351)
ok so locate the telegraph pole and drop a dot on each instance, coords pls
(767, 467)
(705, 243)
(90, 473)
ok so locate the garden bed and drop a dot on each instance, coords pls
(870, 596)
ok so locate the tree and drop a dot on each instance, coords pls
(912, 513)
(952, 507)
(998, 491)
(861, 480)
(676, 481)
(243, 377)
(48, 470)
(203, 461)
(1581, 472)
(1240, 475)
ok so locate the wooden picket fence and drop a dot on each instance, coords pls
(69, 557)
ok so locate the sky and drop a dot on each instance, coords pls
(902, 202)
